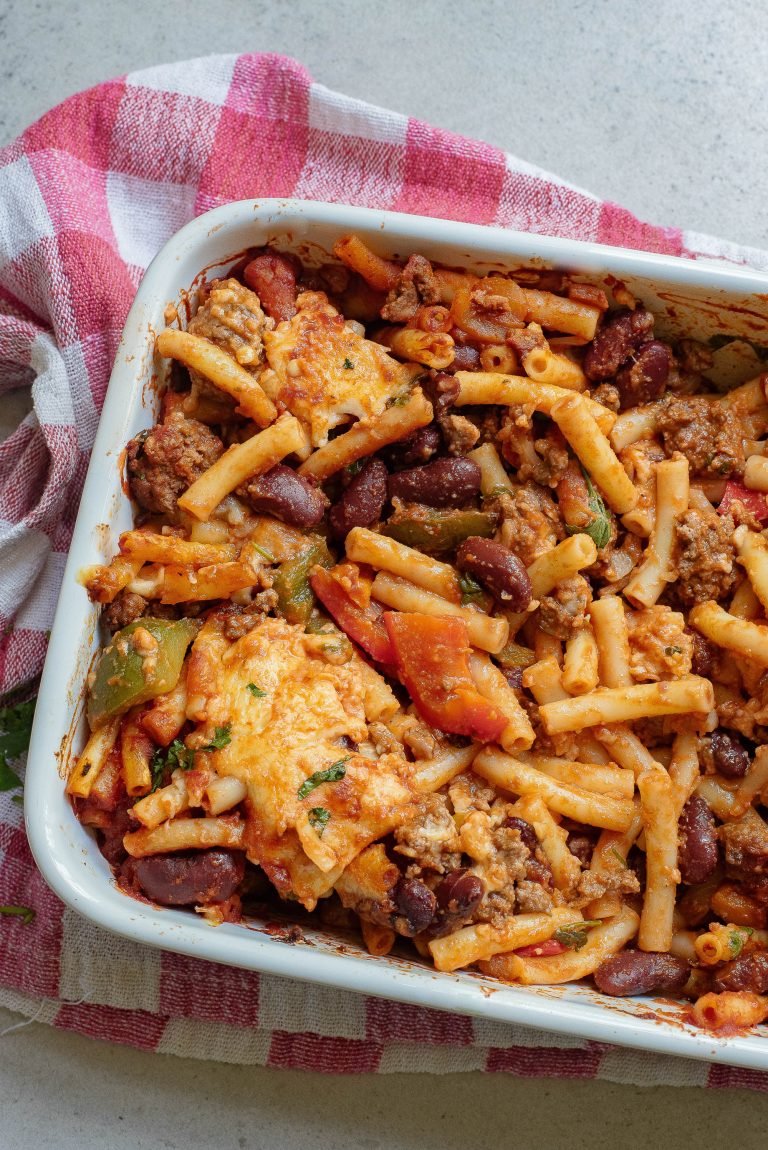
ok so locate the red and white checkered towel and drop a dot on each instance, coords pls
(87, 196)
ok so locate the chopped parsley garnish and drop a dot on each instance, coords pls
(222, 738)
(348, 364)
(673, 650)
(15, 730)
(398, 400)
(256, 691)
(619, 857)
(319, 818)
(178, 756)
(599, 530)
(573, 936)
(499, 489)
(25, 913)
(738, 938)
(331, 774)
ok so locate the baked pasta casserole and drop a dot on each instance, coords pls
(442, 618)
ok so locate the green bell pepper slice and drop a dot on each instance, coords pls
(295, 598)
(142, 661)
(435, 531)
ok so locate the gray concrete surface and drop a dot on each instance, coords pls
(659, 106)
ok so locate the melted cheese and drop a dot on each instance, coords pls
(278, 741)
(324, 372)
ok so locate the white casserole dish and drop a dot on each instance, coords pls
(698, 299)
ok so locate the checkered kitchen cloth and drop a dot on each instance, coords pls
(87, 196)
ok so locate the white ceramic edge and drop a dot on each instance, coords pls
(60, 857)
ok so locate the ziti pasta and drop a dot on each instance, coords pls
(429, 626)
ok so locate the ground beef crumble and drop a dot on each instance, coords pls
(704, 557)
(709, 434)
(164, 462)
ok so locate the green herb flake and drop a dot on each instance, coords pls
(619, 857)
(319, 818)
(221, 738)
(673, 650)
(15, 731)
(331, 774)
(499, 489)
(573, 936)
(256, 691)
(398, 400)
(348, 364)
(599, 530)
(25, 913)
(738, 938)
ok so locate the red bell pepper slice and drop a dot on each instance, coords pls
(363, 624)
(432, 653)
(545, 949)
(754, 501)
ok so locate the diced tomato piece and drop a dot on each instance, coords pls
(754, 501)
(365, 625)
(432, 656)
(545, 949)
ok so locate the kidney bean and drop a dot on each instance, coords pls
(362, 502)
(641, 972)
(273, 277)
(643, 377)
(444, 483)
(618, 337)
(498, 568)
(194, 877)
(729, 755)
(514, 676)
(540, 872)
(442, 390)
(286, 495)
(459, 892)
(416, 904)
(458, 896)
(417, 448)
(747, 972)
(581, 846)
(527, 833)
(704, 655)
(698, 854)
(465, 358)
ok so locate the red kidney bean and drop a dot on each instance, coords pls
(581, 846)
(527, 833)
(417, 448)
(458, 896)
(619, 335)
(641, 972)
(286, 495)
(704, 655)
(273, 277)
(442, 389)
(498, 568)
(643, 377)
(514, 676)
(195, 877)
(465, 358)
(540, 872)
(362, 502)
(444, 483)
(459, 891)
(698, 853)
(747, 972)
(729, 755)
(416, 905)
